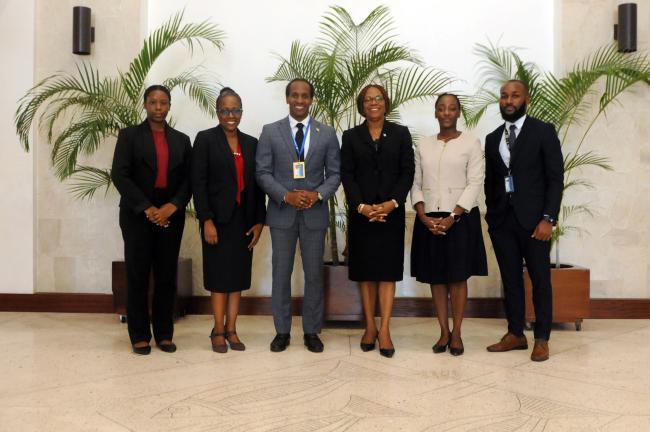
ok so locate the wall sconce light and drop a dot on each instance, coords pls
(82, 33)
(625, 30)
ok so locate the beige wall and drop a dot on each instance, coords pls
(77, 241)
(617, 246)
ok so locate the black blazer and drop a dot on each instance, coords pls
(373, 176)
(537, 171)
(134, 167)
(214, 178)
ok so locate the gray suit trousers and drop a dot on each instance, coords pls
(312, 244)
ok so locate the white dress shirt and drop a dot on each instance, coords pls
(294, 128)
(503, 146)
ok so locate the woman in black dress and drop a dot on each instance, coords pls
(230, 208)
(151, 170)
(377, 172)
(447, 246)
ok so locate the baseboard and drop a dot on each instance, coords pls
(490, 307)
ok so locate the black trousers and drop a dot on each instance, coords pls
(147, 248)
(512, 245)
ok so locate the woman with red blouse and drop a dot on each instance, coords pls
(231, 211)
(151, 171)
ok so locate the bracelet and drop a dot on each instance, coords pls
(395, 202)
(360, 208)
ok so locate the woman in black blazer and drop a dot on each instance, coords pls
(377, 168)
(231, 211)
(151, 171)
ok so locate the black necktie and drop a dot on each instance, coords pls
(510, 139)
(300, 135)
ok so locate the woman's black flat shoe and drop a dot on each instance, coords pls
(437, 348)
(168, 347)
(456, 351)
(145, 350)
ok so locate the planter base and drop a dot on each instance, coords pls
(342, 296)
(183, 293)
(571, 295)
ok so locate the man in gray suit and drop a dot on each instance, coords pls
(297, 165)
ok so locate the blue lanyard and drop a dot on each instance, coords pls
(300, 151)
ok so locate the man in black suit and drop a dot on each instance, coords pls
(524, 176)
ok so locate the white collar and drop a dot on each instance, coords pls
(293, 122)
(518, 123)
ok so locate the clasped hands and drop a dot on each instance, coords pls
(301, 199)
(160, 216)
(377, 212)
(437, 226)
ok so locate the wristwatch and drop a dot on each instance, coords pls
(320, 197)
(395, 202)
(454, 216)
(549, 219)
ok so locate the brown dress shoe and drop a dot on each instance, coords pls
(509, 342)
(540, 351)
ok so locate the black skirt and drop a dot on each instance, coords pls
(438, 259)
(376, 249)
(227, 265)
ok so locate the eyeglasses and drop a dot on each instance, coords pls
(377, 99)
(225, 112)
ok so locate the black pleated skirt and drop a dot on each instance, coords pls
(437, 259)
(227, 265)
(376, 249)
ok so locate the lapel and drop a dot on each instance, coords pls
(285, 132)
(521, 139)
(175, 148)
(223, 148)
(314, 136)
(494, 148)
(364, 134)
(148, 147)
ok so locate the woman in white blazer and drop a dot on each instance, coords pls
(447, 245)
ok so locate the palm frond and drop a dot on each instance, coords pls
(168, 34)
(199, 87)
(85, 181)
(416, 84)
(578, 160)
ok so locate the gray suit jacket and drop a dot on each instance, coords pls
(274, 171)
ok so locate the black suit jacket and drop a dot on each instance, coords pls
(373, 176)
(538, 174)
(214, 178)
(134, 167)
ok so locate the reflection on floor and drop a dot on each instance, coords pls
(75, 372)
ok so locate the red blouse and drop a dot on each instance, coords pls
(162, 158)
(239, 167)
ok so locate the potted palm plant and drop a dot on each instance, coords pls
(568, 102)
(346, 57)
(81, 111)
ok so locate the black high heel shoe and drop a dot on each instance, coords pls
(386, 352)
(456, 351)
(365, 347)
(437, 348)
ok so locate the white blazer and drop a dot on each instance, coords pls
(448, 174)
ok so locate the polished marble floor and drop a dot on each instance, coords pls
(75, 372)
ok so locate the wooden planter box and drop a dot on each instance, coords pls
(571, 295)
(183, 294)
(342, 296)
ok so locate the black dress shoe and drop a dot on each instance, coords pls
(168, 347)
(280, 342)
(387, 352)
(456, 351)
(365, 347)
(437, 348)
(145, 350)
(313, 343)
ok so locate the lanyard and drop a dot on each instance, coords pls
(300, 151)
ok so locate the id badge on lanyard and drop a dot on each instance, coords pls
(298, 168)
(509, 183)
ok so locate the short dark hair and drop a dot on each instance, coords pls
(440, 96)
(312, 91)
(520, 82)
(155, 87)
(227, 91)
(362, 96)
